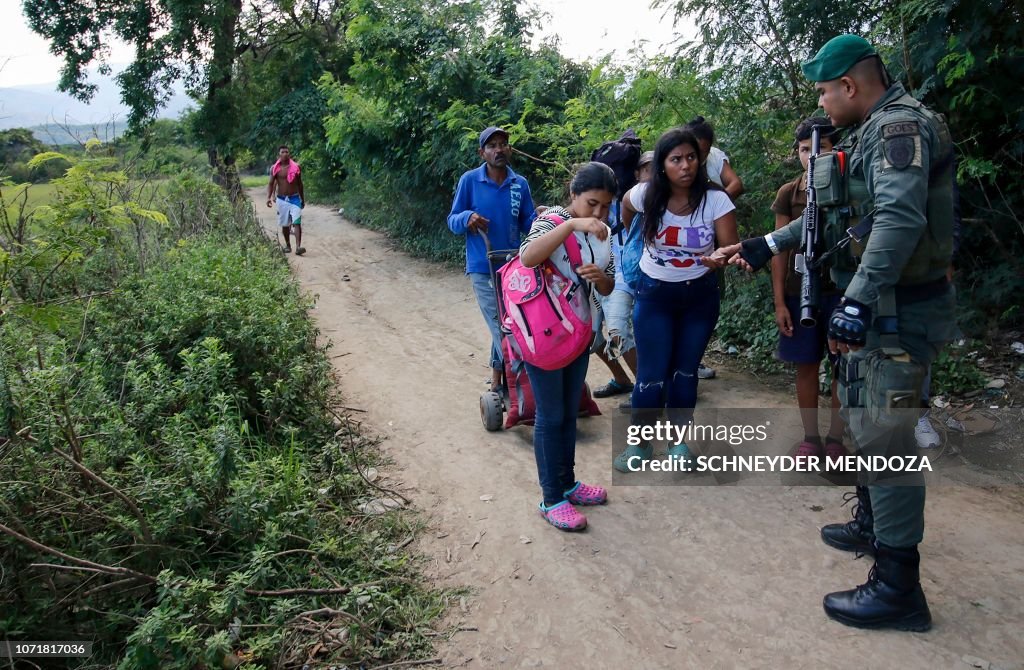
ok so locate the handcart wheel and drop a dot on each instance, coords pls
(492, 410)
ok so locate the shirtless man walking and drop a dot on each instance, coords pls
(287, 181)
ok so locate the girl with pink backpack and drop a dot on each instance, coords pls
(557, 391)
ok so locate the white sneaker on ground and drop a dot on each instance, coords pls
(926, 436)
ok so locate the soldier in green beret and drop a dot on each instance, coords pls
(890, 184)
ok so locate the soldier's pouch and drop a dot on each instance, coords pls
(892, 388)
(829, 182)
(835, 233)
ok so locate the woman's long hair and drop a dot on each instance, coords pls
(659, 190)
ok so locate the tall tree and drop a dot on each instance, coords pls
(766, 40)
(964, 58)
(198, 41)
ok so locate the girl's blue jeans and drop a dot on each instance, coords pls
(557, 396)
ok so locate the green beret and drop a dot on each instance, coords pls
(837, 57)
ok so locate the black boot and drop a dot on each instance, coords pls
(891, 598)
(857, 534)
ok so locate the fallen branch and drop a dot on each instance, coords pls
(309, 592)
(113, 585)
(127, 572)
(26, 433)
(70, 568)
(326, 611)
(359, 469)
(146, 534)
(400, 664)
(298, 592)
(310, 618)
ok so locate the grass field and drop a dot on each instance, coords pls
(254, 180)
(34, 195)
(38, 194)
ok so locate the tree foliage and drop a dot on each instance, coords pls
(198, 42)
(385, 96)
(964, 59)
(425, 79)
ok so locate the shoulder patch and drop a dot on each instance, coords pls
(900, 152)
(900, 129)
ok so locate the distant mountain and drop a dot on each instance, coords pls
(54, 134)
(41, 104)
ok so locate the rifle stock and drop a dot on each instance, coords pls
(810, 281)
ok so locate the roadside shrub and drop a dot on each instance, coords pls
(747, 320)
(955, 373)
(173, 475)
(196, 205)
(224, 292)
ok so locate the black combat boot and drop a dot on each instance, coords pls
(891, 598)
(858, 534)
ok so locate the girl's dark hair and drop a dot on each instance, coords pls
(701, 129)
(826, 130)
(593, 176)
(659, 190)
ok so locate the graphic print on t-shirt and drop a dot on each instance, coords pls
(681, 240)
(684, 252)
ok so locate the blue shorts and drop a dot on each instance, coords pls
(807, 346)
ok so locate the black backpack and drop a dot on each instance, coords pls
(621, 156)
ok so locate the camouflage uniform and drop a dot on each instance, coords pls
(893, 188)
(901, 174)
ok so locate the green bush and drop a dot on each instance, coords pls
(160, 149)
(747, 319)
(225, 292)
(196, 205)
(182, 445)
(955, 373)
(322, 176)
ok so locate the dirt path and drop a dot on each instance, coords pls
(728, 577)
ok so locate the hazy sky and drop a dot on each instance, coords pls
(588, 29)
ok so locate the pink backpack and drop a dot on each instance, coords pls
(546, 313)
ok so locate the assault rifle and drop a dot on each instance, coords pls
(810, 281)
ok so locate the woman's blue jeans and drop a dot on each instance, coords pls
(557, 396)
(672, 325)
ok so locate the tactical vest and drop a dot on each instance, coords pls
(846, 204)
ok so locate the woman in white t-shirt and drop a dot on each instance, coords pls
(677, 299)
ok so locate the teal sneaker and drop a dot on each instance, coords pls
(681, 452)
(622, 461)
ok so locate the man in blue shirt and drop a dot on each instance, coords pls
(491, 200)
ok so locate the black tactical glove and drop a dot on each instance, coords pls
(755, 251)
(849, 323)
